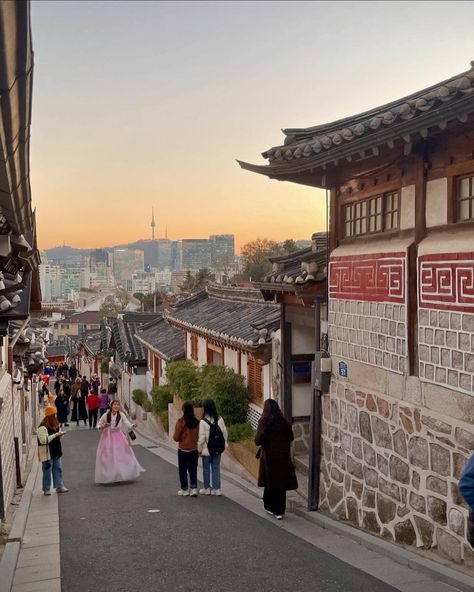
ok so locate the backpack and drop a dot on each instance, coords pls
(216, 442)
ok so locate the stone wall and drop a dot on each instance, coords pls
(301, 433)
(6, 439)
(369, 332)
(392, 468)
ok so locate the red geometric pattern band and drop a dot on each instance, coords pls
(376, 277)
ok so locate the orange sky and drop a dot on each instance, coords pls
(149, 104)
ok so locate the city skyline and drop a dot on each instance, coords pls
(154, 102)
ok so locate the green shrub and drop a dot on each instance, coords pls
(139, 396)
(165, 422)
(147, 405)
(161, 397)
(104, 367)
(228, 391)
(240, 431)
(183, 380)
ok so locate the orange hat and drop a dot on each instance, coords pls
(50, 410)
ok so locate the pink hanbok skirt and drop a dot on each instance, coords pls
(115, 459)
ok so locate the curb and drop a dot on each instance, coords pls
(437, 571)
(10, 555)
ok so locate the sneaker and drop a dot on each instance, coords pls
(278, 517)
(194, 492)
(62, 490)
(205, 491)
(46, 492)
(183, 492)
(216, 492)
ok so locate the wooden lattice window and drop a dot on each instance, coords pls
(255, 380)
(465, 197)
(194, 348)
(375, 214)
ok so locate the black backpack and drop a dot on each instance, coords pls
(216, 442)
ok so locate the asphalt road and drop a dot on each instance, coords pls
(111, 543)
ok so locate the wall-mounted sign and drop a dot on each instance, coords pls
(343, 372)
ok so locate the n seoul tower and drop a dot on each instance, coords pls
(153, 225)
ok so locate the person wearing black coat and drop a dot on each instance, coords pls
(276, 471)
(79, 411)
(62, 405)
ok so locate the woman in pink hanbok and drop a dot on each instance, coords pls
(115, 459)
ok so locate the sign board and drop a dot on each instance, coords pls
(343, 371)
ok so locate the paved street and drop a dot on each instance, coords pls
(109, 541)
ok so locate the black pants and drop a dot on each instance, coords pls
(188, 463)
(274, 500)
(93, 417)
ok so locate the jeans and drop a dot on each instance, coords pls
(211, 463)
(93, 417)
(53, 467)
(188, 462)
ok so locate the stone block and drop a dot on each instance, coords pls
(455, 321)
(434, 318)
(400, 443)
(352, 423)
(382, 464)
(443, 319)
(415, 480)
(365, 426)
(459, 462)
(469, 363)
(407, 423)
(457, 521)
(369, 522)
(405, 533)
(352, 511)
(327, 449)
(448, 545)
(440, 375)
(384, 326)
(417, 502)
(468, 322)
(371, 477)
(418, 452)
(424, 353)
(457, 360)
(336, 475)
(423, 316)
(346, 441)
(417, 418)
(357, 489)
(399, 470)
(465, 382)
(389, 489)
(349, 395)
(334, 411)
(425, 530)
(434, 355)
(464, 438)
(437, 510)
(347, 483)
(437, 485)
(402, 511)
(464, 341)
(439, 337)
(386, 509)
(333, 434)
(391, 344)
(445, 357)
(429, 336)
(334, 495)
(370, 403)
(354, 468)
(357, 447)
(387, 361)
(440, 460)
(340, 457)
(436, 425)
(381, 432)
(429, 372)
(401, 331)
(369, 455)
(453, 378)
(368, 499)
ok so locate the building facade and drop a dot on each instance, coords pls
(397, 424)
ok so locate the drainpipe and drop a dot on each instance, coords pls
(315, 423)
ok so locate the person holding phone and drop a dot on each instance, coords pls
(115, 460)
(48, 433)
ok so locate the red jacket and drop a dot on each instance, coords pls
(93, 401)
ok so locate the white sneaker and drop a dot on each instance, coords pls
(216, 492)
(278, 517)
(205, 491)
(183, 492)
(194, 492)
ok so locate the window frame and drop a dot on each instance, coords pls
(458, 199)
(363, 219)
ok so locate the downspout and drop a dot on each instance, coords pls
(315, 423)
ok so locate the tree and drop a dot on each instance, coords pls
(114, 304)
(256, 254)
(203, 277)
(289, 246)
(148, 301)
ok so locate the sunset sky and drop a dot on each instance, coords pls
(149, 104)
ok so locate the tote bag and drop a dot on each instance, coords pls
(43, 452)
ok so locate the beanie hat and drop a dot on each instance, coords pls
(50, 410)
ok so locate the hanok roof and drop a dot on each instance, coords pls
(238, 317)
(360, 136)
(53, 351)
(123, 336)
(163, 339)
(88, 317)
(298, 271)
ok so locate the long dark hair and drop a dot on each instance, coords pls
(209, 408)
(271, 413)
(188, 415)
(109, 414)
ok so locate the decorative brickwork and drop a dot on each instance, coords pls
(446, 348)
(6, 438)
(447, 281)
(393, 468)
(370, 332)
(376, 278)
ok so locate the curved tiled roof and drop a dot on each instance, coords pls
(235, 316)
(124, 331)
(161, 337)
(318, 145)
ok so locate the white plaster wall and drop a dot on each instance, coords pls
(231, 358)
(303, 339)
(267, 385)
(163, 379)
(301, 400)
(437, 202)
(244, 367)
(458, 240)
(202, 351)
(188, 345)
(407, 211)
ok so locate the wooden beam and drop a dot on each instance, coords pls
(334, 222)
(420, 198)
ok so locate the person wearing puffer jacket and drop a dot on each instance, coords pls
(466, 487)
(210, 463)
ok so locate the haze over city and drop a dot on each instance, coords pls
(149, 104)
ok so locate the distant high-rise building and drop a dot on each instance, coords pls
(222, 249)
(193, 253)
(165, 253)
(127, 262)
(98, 256)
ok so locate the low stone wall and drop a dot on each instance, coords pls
(301, 434)
(392, 468)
